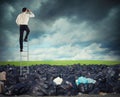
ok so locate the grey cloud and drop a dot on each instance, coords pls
(92, 10)
(108, 31)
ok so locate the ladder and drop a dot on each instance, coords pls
(24, 56)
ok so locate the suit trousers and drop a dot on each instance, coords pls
(22, 29)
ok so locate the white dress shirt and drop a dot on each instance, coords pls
(23, 18)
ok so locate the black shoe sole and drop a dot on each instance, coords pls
(21, 50)
(25, 41)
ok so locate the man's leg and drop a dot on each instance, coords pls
(27, 33)
(21, 38)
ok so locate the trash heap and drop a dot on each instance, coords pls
(47, 80)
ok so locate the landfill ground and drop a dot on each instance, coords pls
(83, 95)
(41, 81)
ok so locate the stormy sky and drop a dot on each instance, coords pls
(63, 29)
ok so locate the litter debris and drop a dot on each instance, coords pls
(84, 80)
(2, 80)
(58, 81)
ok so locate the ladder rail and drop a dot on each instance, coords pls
(24, 71)
(27, 51)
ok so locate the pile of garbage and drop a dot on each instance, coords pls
(49, 80)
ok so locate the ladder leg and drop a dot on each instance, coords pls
(20, 63)
(27, 57)
(24, 54)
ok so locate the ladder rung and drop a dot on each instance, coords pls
(24, 51)
(24, 56)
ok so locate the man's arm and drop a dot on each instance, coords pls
(30, 13)
(17, 20)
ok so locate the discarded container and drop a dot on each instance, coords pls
(3, 76)
(2, 79)
(58, 81)
(84, 80)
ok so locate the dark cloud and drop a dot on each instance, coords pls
(92, 10)
(109, 30)
(7, 24)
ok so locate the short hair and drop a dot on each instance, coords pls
(24, 9)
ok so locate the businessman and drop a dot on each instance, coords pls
(22, 21)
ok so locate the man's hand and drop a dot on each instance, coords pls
(28, 10)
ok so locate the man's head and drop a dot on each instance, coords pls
(24, 9)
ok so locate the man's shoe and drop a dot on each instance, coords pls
(21, 50)
(25, 40)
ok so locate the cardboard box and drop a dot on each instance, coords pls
(1, 87)
(3, 76)
(2, 79)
